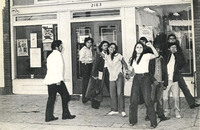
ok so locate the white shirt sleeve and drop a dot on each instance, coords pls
(82, 55)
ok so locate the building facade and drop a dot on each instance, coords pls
(34, 24)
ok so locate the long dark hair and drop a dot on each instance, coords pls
(116, 50)
(134, 55)
(101, 44)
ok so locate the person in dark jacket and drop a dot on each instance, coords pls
(156, 87)
(158, 71)
(99, 78)
(175, 62)
(181, 82)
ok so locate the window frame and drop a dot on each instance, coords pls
(45, 2)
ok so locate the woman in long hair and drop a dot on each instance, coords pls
(141, 82)
(115, 63)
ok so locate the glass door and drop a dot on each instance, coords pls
(79, 32)
(109, 31)
(99, 31)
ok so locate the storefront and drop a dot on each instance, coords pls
(36, 23)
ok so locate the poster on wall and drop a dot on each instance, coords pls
(146, 31)
(47, 33)
(22, 47)
(82, 38)
(33, 38)
(35, 57)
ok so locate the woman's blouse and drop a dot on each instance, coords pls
(143, 66)
(114, 66)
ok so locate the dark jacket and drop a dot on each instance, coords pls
(95, 86)
(98, 65)
(163, 69)
(179, 62)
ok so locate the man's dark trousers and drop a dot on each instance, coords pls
(86, 73)
(52, 91)
(183, 86)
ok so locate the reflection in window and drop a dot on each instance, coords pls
(167, 19)
(108, 33)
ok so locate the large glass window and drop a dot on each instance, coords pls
(157, 22)
(33, 45)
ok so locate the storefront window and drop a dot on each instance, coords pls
(108, 33)
(33, 45)
(157, 22)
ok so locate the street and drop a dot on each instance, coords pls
(26, 112)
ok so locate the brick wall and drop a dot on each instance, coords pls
(7, 49)
(197, 42)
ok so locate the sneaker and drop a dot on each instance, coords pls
(177, 113)
(123, 114)
(113, 113)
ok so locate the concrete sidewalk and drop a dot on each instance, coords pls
(26, 112)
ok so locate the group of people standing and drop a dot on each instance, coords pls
(108, 70)
(155, 75)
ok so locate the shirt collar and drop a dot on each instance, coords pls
(87, 48)
(56, 51)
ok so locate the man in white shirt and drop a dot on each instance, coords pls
(54, 80)
(86, 59)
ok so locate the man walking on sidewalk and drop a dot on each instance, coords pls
(54, 80)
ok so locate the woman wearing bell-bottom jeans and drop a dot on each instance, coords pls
(143, 83)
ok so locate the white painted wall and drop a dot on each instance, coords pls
(64, 34)
(128, 39)
(2, 4)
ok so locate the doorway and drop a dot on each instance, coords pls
(99, 30)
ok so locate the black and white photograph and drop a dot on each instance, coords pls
(99, 64)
